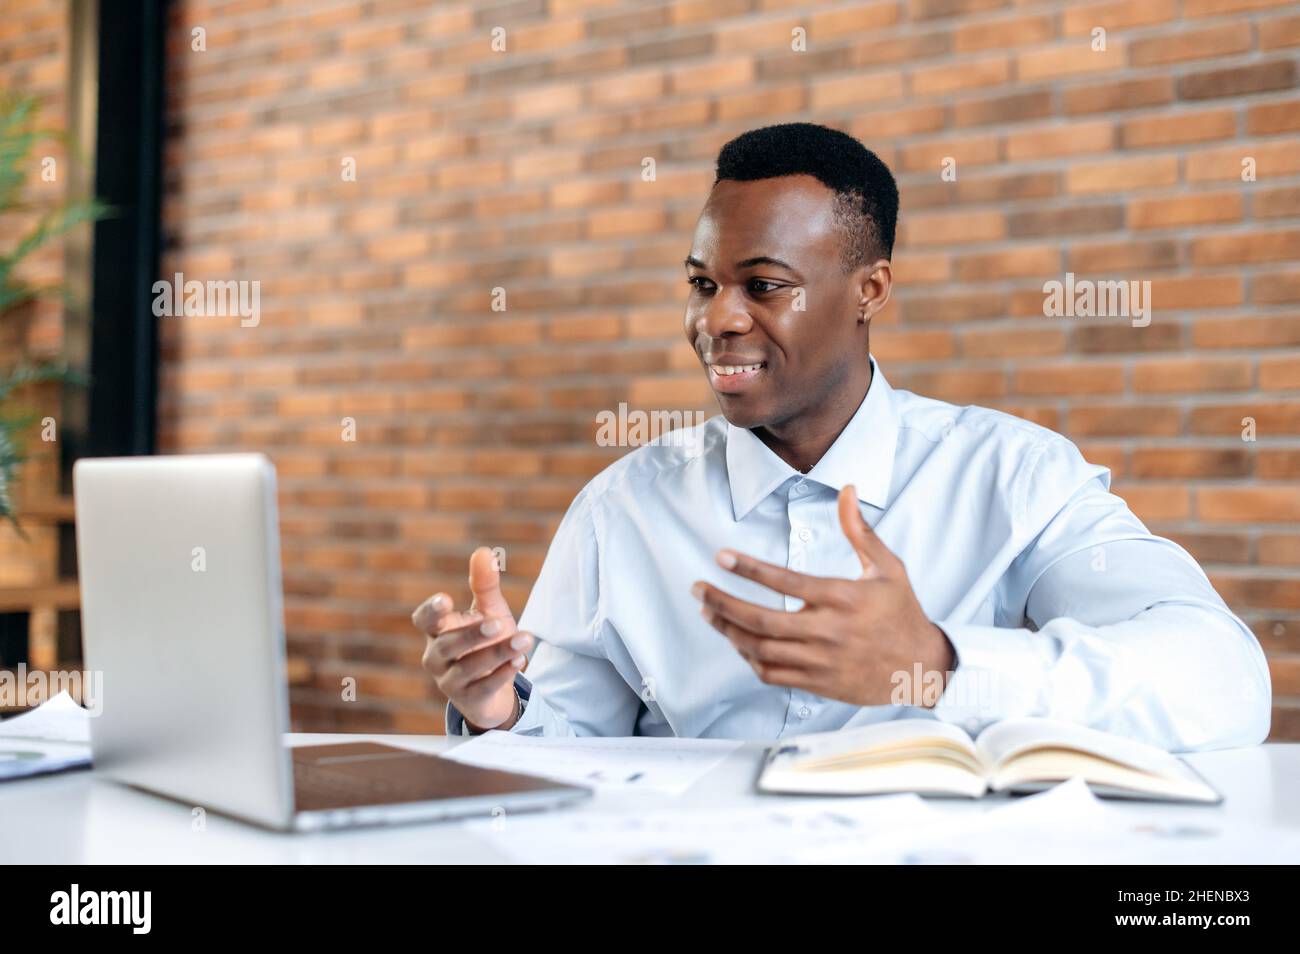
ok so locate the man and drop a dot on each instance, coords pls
(831, 552)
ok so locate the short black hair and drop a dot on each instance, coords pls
(866, 206)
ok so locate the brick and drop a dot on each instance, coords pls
(1238, 81)
(933, 9)
(1271, 159)
(1280, 373)
(969, 151)
(898, 122)
(1268, 118)
(1278, 464)
(1273, 287)
(1279, 32)
(952, 307)
(1281, 203)
(915, 268)
(1007, 188)
(1210, 8)
(1106, 258)
(1156, 503)
(847, 91)
(1145, 131)
(1274, 332)
(1006, 32)
(1017, 107)
(1080, 20)
(1167, 213)
(1207, 548)
(1271, 418)
(912, 346)
(1077, 139)
(1118, 337)
(1069, 379)
(1011, 343)
(614, 223)
(725, 74)
(1069, 221)
(1247, 504)
(1283, 245)
(638, 86)
(936, 80)
(1073, 59)
(872, 53)
(956, 227)
(1194, 375)
(1199, 44)
(1085, 178)
(1120, 420)
(1034, 260)
(959, 386)
(1196, 292)
(852, 20)
(1116, 96)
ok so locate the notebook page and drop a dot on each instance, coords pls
(1005, 739)
(818, 745)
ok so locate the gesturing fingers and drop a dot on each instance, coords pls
(876, 558)
(451, 644)
(429, 615)
(482, 662)
(758, 619)
(757, 648)
(810, 589)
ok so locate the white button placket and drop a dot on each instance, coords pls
(799, 510)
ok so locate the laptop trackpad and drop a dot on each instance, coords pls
(370, 773)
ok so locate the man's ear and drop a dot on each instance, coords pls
(874, 282)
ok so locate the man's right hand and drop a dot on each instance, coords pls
(473, 655)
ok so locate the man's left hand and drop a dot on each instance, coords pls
(852, 640)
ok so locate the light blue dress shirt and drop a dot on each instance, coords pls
(1057, 599)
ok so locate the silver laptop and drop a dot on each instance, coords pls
(179, 560)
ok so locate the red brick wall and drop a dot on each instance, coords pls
(522, 169)
(34, 50)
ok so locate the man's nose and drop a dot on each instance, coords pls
(725, 313)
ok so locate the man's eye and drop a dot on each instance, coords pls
(766, 286)
(699, 283)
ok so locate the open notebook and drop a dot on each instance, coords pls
(1017, 755)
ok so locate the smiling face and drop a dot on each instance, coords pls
(773, 316)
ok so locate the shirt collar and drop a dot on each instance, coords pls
(862, 455)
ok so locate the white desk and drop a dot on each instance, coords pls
(77, 818)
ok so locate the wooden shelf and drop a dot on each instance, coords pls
(47, 510)
(44, 600)
(20, 599)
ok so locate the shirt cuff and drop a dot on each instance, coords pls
(997, 674)
(456, 724)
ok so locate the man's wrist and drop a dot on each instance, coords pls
(945, 660)
(508, 724)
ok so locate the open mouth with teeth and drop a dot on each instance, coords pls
(730, 369)
(731, 378)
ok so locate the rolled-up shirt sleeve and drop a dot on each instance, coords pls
(1118, 629)
(571, 688)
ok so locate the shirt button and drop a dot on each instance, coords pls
(805, 534)
(804, 712)
(801, 488)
